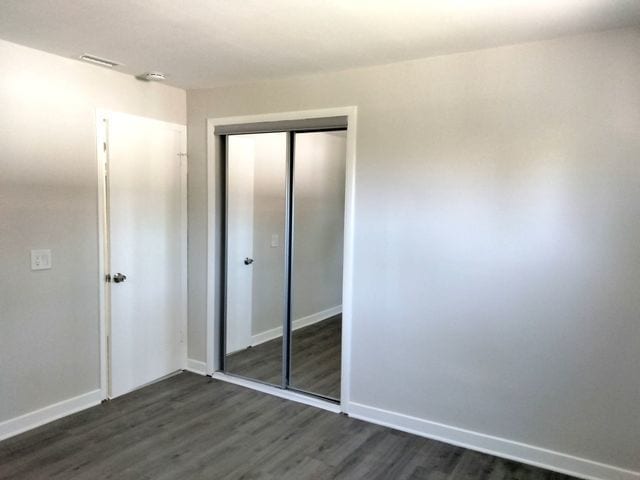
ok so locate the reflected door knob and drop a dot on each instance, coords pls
(248, 261)
(119, 278)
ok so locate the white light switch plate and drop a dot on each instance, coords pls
(275, 240)
(40, 259)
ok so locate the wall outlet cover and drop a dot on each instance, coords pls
(40, 259)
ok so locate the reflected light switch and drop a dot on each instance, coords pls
(40, 259)
(275, 240)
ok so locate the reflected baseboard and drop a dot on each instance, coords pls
(297, 324)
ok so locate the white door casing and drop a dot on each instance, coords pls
(146, 241)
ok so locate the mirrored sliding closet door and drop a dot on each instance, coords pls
(283, 245)
(318, 223)
(255, 255)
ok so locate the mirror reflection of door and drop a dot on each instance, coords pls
(256, 213)
(318, 224)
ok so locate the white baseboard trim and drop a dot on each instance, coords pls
(279, 392)
(500, 447)
(196, 366)
(28, 421)
(274, 333)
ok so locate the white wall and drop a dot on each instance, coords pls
(49, 342)
(497, 220)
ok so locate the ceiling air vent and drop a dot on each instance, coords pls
(103, 62)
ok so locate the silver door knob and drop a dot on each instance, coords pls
(248, 261)
(119, 278)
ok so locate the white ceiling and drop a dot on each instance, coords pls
(203, 43)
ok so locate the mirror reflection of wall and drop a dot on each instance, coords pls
(319, 185)
(256, 213)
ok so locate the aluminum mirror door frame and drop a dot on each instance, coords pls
(289, 253)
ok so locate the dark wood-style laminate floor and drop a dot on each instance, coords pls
(193, 427)
(315, 359)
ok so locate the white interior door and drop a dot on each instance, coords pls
(147, 244)
(240, 199)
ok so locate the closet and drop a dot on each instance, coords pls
(284, 204)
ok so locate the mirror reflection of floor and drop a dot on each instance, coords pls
(315, 359)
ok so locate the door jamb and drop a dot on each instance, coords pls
(102, 153)
(102, 118)
(214, 158)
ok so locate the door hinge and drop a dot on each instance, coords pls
(104, 146)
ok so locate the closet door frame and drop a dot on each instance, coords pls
(216, 257)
